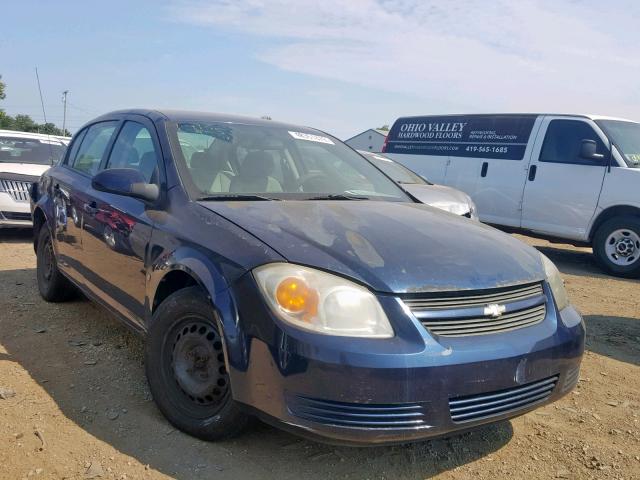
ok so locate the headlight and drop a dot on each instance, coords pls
(555, 282)
(473, 210)
(320, 302)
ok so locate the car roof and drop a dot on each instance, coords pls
(196, 116)
(34, 136)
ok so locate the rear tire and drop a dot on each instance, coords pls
(52, 284)
(616, 246)
(186, 368)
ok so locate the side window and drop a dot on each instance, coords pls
(75, 146)
(563, 139)
(134, 149)
(93, 147)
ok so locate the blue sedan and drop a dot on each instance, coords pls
(275, 272)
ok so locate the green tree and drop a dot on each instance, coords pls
(3, 95)
(384, 128)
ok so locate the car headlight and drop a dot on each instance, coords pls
(555, 282)
(320, 302)
(473, 210)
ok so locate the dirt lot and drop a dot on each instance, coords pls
(82, 409)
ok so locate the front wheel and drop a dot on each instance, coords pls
(616, 246)
(186, 368)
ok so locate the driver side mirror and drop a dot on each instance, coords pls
(127, 182)
(589, 150)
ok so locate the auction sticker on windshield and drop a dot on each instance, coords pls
(310, 137)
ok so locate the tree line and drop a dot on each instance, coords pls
(24, 123)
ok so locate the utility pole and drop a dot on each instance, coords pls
(64, 115)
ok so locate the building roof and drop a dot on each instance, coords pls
(384, 133)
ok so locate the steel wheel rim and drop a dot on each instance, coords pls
(48, 260)
(623, 247)
(198, 365)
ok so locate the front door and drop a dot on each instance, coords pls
(117, 248)
(562, 189)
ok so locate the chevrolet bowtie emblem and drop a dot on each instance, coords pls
(494, 310)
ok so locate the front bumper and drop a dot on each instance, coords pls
(13, 213)
(361, 391)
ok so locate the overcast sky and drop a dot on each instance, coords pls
(342, 66)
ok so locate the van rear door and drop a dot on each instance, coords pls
(562, 188)
(410, 142)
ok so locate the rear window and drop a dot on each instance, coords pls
(33, 151)
(482, 136)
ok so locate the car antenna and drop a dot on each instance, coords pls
(44, 114)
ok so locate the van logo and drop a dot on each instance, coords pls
(494, 310)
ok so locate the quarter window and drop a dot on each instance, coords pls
(134, 149)
(563, 141)
(93, 147)
(77, 141)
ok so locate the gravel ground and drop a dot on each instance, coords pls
(74, 402)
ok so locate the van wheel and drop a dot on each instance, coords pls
(186, 368)
(616, 246)
(53, 286)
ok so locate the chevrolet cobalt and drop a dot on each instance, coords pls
(275, 272)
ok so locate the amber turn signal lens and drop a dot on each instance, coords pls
(295, 296)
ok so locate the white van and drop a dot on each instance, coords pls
(570, 177)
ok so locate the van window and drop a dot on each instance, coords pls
(93, 147)
(563, 139)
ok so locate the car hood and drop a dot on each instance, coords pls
(23, 168)
(390, 246)
(445, 198)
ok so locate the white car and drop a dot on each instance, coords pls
(438, 196)
(23, 158)
(558, 176)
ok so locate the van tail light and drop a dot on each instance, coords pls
(385, 144)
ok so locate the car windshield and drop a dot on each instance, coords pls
(27, 150)
(397, 172)
(252, 162)
(626, 137)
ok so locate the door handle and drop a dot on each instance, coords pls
(485, 168)
(532, 172)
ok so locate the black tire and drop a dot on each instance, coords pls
(53, 285)
(186, 368)
(622, 265)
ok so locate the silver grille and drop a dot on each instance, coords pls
(487, 405)
(455, 315)
(18, 189)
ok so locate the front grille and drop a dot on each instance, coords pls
(17, 215)
(487, 405)
(19, 190)
(358, 415)
(480, 313)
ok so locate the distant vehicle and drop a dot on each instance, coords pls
(24, 157)
(276, 272)
(574, 178)
(438, 196)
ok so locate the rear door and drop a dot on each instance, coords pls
(562, 189)
(73, 211)
(411, 143)
(489, 162)
(115, 250)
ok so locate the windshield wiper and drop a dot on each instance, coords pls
(339, 196)
(242, 197)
